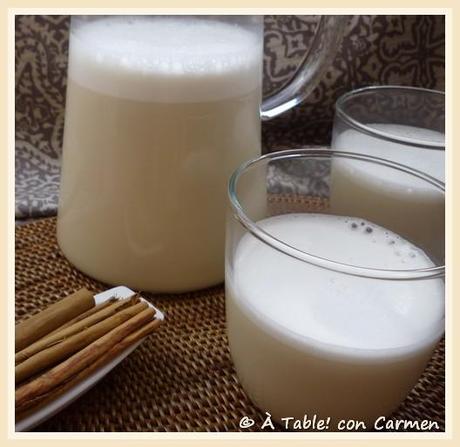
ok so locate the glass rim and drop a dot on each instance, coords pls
(339, 110)
(436, 271)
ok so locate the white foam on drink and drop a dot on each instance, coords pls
(165, 59)
(429, 161)
(299, 300)
(410, 132)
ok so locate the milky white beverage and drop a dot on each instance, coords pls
(307, 340)
(375, 192)
(159, 112)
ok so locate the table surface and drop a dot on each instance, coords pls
(181, 378)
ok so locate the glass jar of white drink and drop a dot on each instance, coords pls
(160, 110)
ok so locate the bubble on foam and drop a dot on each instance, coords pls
(165, 59)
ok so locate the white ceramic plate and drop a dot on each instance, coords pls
(74, 393)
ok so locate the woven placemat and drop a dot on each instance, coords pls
(179, 379)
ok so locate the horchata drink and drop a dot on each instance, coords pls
(310, 340)
(429, 161)
(419, 145)
(159, 112)
(328, 315)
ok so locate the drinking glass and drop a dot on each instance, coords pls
(328, 313)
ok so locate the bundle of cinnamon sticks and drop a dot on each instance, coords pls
(62, 345)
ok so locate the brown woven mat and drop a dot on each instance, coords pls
(179, 379)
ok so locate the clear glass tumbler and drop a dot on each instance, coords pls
(328, 313)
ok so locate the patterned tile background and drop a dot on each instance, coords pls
(404, 50)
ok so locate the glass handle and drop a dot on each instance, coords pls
(315, 62)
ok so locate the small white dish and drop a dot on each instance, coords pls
(74, 393)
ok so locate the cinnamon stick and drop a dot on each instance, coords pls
(52, 317)
(66, 331)
(86, 314)
(56, 352)
(40, 401)
(80, 360)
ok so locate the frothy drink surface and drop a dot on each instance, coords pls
(159, 112)
(166, 59)
(430, 161)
